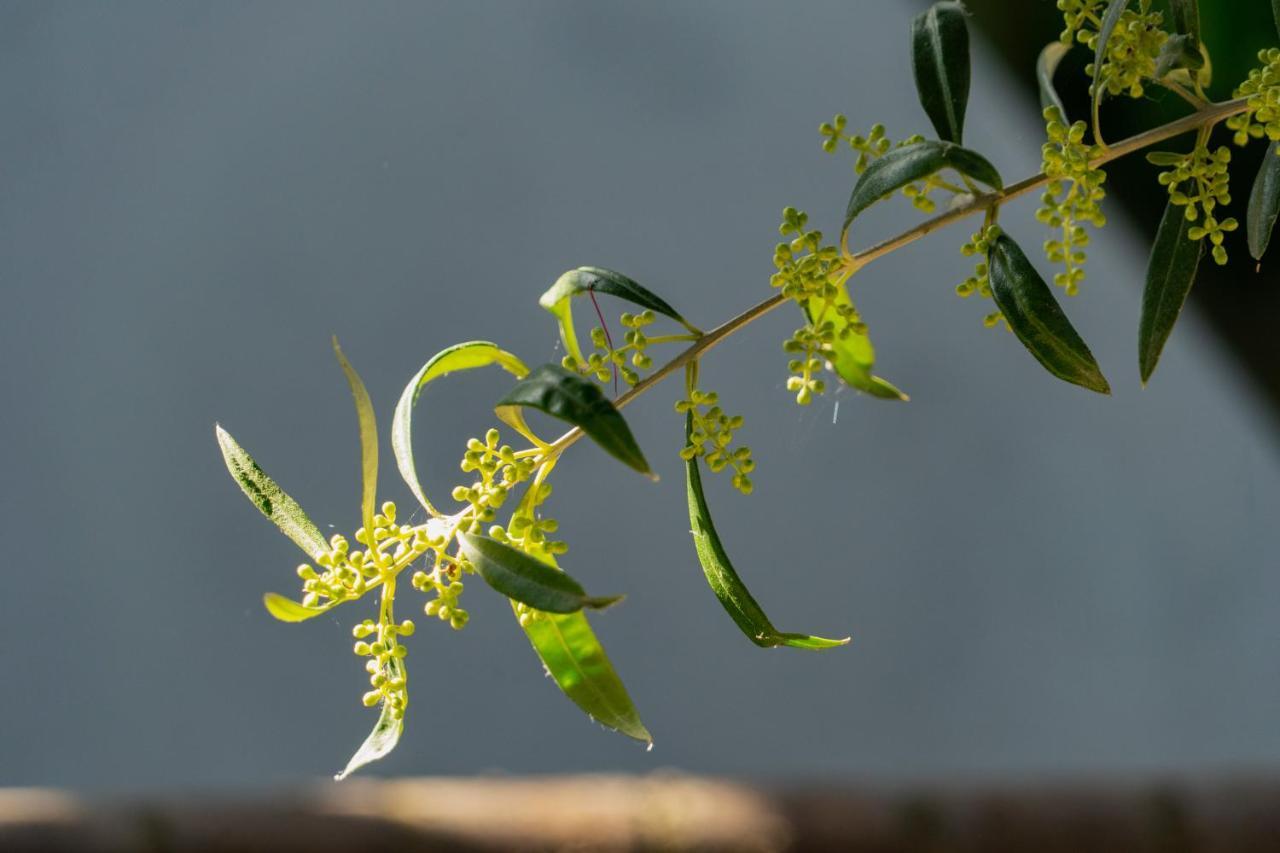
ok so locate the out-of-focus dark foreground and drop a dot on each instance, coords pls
(659, 812)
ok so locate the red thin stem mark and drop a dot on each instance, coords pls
(591, 291)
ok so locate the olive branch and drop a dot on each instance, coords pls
(1132, 51)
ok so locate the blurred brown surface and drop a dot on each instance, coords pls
(659, 812)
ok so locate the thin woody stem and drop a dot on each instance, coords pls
(985, 203)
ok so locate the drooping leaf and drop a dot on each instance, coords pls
(725, 582)
(559, 300)
(384, 737)
(1109, 20)
(288, 610)
(1170, 274)
(269, 498)
(526, 579)
(1186, 18)
(368, 439)
(911, 163)
(1264, 202)
(1036, 318)
(576, 661)
(1046, 66)
(940, 64)
(1275, 12)
(464, 356)
(576, 400)
(852, 355)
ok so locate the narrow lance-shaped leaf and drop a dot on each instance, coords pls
(269, 498)
(368, 439)
(384, 737)
(1275, 12)
(1186, 18)
(1046, 67)
(1170, 274)
(288, 610)
(1036, 318)
(852, 354)
(527, 579)
(576, 400)
(724, 581)
(1264, 203)
(940, 64)
(464, 356)
(1109, 20)
(559, 300)
(911, 163)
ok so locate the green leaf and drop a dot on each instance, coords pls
(558, 300)
(288, 610)
(384, 737)
(1275, 11)
(853, 356)
(1036, 318)
(576, 661)
(1109, 20)
(526, 579)
(1264, 202)
(368, 439)
(269, 498)
(1046, 66)
(1170, 274)
(911, 163)
(572, 398)
(940, 64)
(724, 581)
(464, 356)
(1186, 18)
(1179, 52)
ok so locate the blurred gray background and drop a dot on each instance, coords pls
(194, 197)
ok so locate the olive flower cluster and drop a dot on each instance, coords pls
(1132, 52)
(874, 146)
(1072, 198)
(607, 359)
(712, 438)
(1199, 182)
(980, 282)
(1262, 88)
(350, 574)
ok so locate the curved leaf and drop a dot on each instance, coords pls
(940, 65)
(724, 581)
(384, 737)
(558, 299)
(911, 163)
(464, 356)
(853, 356)
(1264, 202)
(572, 398)
(1170, 274)
(1046, 66)
(526, 579)
(1179, 52)
(269, 498)
(368, 439)
(1109, 20)
(1186, 18)
(288, 610)
(1036, 318)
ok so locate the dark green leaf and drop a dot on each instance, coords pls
(1037, 319)
(1170, 274)
(384, 737)
(559, 299)
(288, 610)
(1109, 20)
(1046, 66)
(1179, 51)
(911, 163)
(368, 439)
(724, 581)
(1264, 203)
(1275, 11)
(1186, 18)
(269, 498)
(940, 63)
(465, 356)
(852, 355)
(570, 397)
(527, 579)
(577, 662)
